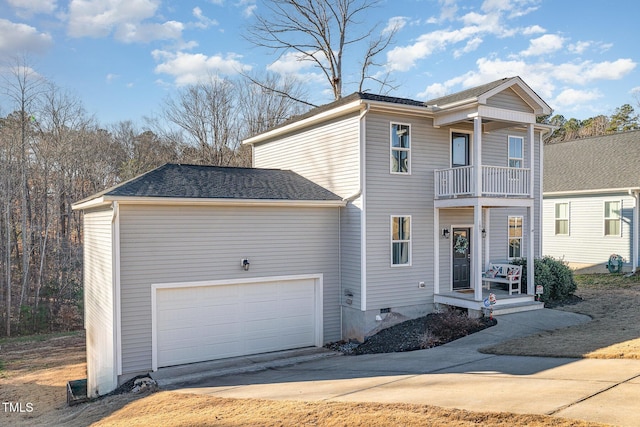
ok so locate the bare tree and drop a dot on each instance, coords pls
(319, 31)
(22, 85)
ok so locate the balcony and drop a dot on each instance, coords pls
(496, 181)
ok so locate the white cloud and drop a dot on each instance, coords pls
(395, 23)
(203, 21)
(112, 77)
(128, 19)
(548, 43)
(534, 29)
(471, 45)
(144, 33)
(31, 7)
(579, 47)
(587, 71)
(294, 64)
(188, 68)
(22, 38)
(571, 97)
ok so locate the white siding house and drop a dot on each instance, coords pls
(591, 194)
(366, 206)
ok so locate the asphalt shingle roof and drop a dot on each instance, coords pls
(216, 182)
(603, 162)
(474, 92)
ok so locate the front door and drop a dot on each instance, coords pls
(461, 258)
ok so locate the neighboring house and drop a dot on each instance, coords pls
(591, 194)
(366, 206)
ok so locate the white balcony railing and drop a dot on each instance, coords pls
(496, 181)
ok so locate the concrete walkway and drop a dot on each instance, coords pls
(455, 375)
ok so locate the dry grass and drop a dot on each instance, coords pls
(37, 372)
(173, 409)
(613, 302)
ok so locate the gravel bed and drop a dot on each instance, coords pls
(416, 334)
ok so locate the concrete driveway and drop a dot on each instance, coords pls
(455, 375)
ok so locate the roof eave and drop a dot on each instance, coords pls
(137, 200)
(590, 191)
(318, 118)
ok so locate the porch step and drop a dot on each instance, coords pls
(517, 307)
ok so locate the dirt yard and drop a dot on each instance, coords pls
(34, 373)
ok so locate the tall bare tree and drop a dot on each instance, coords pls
(319, 31)
(22, 86)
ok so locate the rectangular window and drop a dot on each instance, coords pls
(516, 156)
(612, 221)
(515, 237)
(562, 219)
(400, 240)
(400, 148)
(460, 153)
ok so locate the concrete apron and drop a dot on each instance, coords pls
(454, 375)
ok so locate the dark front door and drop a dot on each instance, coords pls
(461, 258)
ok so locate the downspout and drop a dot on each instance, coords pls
(360, 192)
(634, 235)
(115, 256)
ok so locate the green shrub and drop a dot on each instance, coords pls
(554, 275)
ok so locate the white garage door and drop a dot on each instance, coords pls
(195, 323)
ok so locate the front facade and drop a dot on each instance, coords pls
(434, 191)
(591, 199)
(367, 206)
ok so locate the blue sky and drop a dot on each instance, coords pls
(123, 57)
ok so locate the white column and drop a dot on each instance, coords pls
(635, 234)
(436, 251)
(477, 154)
(476, 253)
(487, 239)
(532, 173)
(530, 255)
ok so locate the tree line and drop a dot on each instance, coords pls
(53, 153)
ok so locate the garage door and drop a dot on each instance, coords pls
(194, 323)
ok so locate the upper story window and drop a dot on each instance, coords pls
(562, 219)
(515, 237)
(400, 240)
(612, 219)
(460, 152)
(516, 156)
(400, 148)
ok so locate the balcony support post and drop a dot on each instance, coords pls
(477, 155)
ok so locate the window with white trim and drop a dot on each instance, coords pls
(612, 219)
(515, 236)
(400, 240)
(516, 151)
(562, 219)
(400, 143)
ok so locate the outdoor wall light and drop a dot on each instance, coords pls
(245, 264)
(445, 233)
(484, 233)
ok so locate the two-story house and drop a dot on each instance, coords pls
(434, 192)
(363, 207)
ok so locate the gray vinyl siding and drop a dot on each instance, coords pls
(401, 195)
(327, 154)
(509, 100)
(586, 242)
(351, 253)
(166, 244)
(99, 300)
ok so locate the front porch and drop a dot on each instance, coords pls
(505, 303)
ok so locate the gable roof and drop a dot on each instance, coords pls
(598, 163)
(174, 182)
(354, 101)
